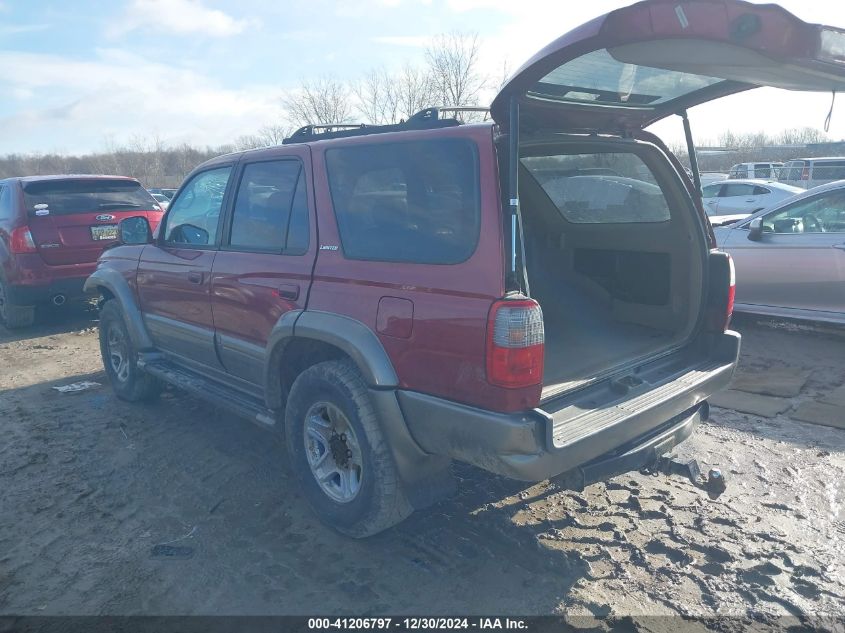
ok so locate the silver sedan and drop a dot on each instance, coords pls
(790, 259)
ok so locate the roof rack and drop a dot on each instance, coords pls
(423, 120)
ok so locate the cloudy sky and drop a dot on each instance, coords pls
(79, 75)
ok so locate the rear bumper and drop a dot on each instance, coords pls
(31, 280)
(41, 293)
(623, 431)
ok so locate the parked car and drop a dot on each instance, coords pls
(52, 229)
(755, 170)
(807, 173)
(162, 200)
(790, 260)
(474, 292)
(729, 201)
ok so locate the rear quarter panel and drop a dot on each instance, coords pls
(442, 351)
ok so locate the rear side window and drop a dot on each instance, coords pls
(194, 214)
(710, 191)
(5, 202)
(407, 202)
(91, 195)
(271, 213)
(612, 188)
(761, 191)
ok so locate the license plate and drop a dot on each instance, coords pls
(104, 232)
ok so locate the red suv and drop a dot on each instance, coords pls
(52, 229)
(535, 295)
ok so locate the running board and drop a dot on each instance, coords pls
(213, 391)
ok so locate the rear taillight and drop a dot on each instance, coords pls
(20, 241)
(720, 300)
(805, 173)
(515, 344)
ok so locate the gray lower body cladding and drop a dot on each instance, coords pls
(592, 424)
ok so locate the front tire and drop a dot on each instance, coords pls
(120, 358)
(339, 453)
(14, 316)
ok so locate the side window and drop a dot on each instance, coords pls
(406, 202)
(762, 170)
(792, 170)
(193, 216)
(710, 191)
(761, 191)
(735, 190)
(5, 202)
(822, 214)
(829, 170)
(271, 213)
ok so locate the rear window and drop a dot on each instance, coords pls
(66, 197)
(406, 202)
(624, 192)
(598, 77)
(792, 170)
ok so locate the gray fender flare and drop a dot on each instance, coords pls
(347, 334)
(426, 478)
(111, 280)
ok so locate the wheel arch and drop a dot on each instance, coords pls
(111, 284)
(303, 338)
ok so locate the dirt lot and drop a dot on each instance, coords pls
(89, 485)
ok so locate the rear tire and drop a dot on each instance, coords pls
(14, 316)
(120, 358)
(339, 453)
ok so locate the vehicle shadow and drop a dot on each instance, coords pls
(51, 320)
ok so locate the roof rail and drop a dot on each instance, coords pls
(428, 118)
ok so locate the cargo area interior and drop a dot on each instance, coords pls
(611, 256)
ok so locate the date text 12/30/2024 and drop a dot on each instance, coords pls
(416, 624)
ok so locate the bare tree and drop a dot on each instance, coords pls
(324, 100)
(378, 97)
(415, 89)
(453, 63)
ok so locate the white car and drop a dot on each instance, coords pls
(732, 200)
(163, 201)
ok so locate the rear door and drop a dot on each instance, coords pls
(799, 263)
(174, 274)
(263, 268)
(639, 64)
(74, 219)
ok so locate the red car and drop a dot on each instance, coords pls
(536, 296)
(53, 229)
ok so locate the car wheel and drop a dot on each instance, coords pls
(14, 316)
(120, 358)
(339, 453)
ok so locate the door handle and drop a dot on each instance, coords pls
(750, 199)
(195, 277)
(288, 291)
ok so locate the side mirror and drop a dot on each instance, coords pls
(135, 230)
(755, 230)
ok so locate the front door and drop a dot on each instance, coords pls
(263, 268)
(174, 274)
(799, 262)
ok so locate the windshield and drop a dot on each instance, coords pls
(67, 197)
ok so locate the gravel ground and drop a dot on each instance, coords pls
(90, 485)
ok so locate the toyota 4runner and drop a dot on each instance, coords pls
(536, 295)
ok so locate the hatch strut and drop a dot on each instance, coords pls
(517, 239)
(693, 159)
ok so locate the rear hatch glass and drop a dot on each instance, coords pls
(73, 220)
